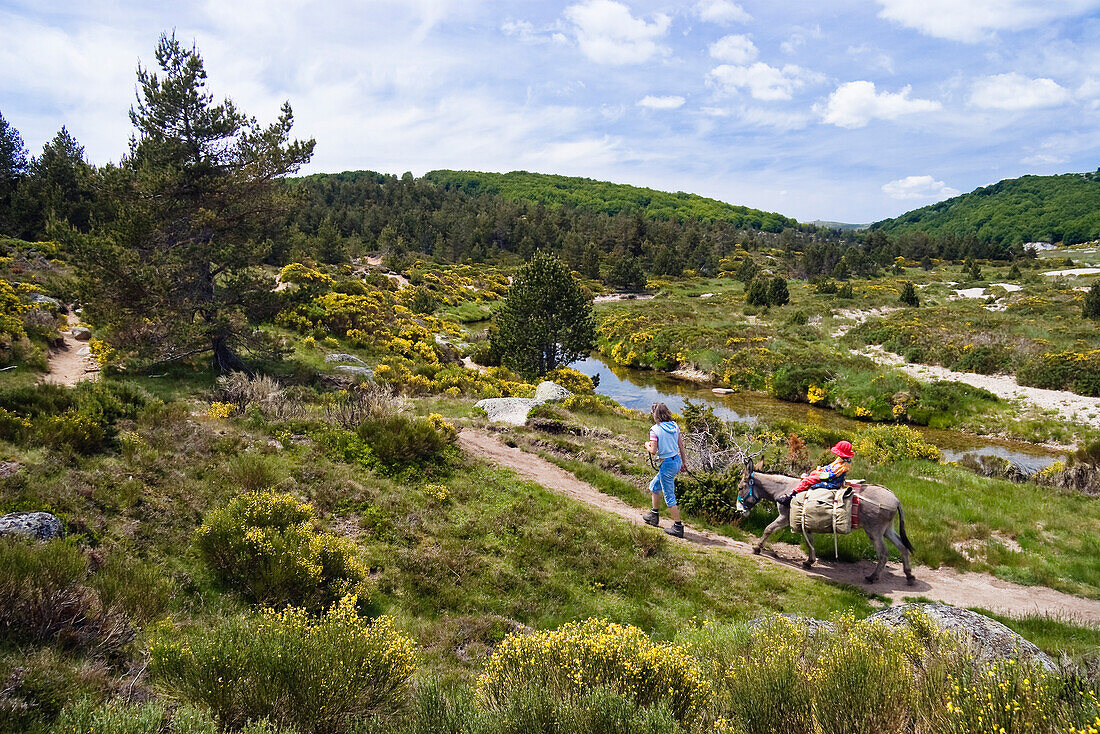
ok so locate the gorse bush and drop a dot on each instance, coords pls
(883, 444)
(81, 418)
(265, 546)
(578, 658)
(572, 380)
(712, 497)
(311, 674)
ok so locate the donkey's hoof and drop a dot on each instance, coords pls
(871, 579)
(807, 564)
(910, 579)
(756, 550)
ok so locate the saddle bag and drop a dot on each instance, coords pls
(823, 511)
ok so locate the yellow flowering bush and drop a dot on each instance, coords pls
(316, 675)
(220, 410)
(579, 657)
(102, 352)
(264, 545)
(815, 394)
(572, 380)
(883, 444)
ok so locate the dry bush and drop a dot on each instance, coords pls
(261, 391)
(366, 401)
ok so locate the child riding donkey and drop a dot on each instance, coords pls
(825, 477)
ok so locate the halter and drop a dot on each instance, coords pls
(752, 491)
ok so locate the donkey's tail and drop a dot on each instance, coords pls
(901, 528)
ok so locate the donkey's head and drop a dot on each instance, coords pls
(747, 494)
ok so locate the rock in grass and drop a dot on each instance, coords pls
(342, 357)
(354, 369)
(31, 525)
(507, 410)
(547, 391)
(991, 639)
(81, 333)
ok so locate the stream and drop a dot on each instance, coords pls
(639, 389)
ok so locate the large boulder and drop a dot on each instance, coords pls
(990, 639)
(507, 410)
(356, 370)
(342, 357)
(81, 333)
(31, 525)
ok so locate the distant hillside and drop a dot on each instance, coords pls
(842, 226)
(1063, 208)
(607, 197)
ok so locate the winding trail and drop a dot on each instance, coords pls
(71, 362)
(942, 584)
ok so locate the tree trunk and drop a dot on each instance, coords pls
(226, 360)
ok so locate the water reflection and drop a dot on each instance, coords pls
(639, 389)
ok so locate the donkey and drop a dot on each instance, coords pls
(877, 508)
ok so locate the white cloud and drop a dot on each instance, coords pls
(762, 81)
(607, 33)
(782, 120)
(798, 38)
(855, 104)
(734, 49)
(721, 11)
(976, 20)
(871, 57)
(918, 187)
(1015, 92)
(661, 103)
(1043, 159)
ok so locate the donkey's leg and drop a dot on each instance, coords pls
(893, 537)
(776, 524)
(810, 551)
(880, 549)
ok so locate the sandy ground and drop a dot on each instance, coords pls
(68, 365)
(613, 297)
(944, 584)
(376, 262)
(1069, 406)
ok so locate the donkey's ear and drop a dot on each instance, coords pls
(759, 466)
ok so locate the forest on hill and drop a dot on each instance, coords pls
(1064, 208)
(611, 198)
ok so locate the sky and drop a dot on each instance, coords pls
(840, 110)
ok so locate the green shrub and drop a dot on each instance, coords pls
(265, 546)
(252, 472)
(90, 717)
(312, 674)
(43, 598)
(942, 402)
(883, 444)
(792, 382)
(714, 498)
(137, 588)
(80, 432)
(578, 658)
(401, 442)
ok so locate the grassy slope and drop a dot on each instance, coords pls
(608, 197)
(1026, 209)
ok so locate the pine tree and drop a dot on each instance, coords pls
(757, 293)
(1090, 309)
(590, 261)
(626, 274)
(778, 295)
(13, 166)
(176, 273)
(747, 271)
(909, 294)
(546, 320)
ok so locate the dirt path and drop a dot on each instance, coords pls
(376, 262)
(71, 362)
(943, 584)
(1069, 406)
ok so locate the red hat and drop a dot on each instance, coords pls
(843, 449)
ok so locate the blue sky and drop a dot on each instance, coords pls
(843, 110)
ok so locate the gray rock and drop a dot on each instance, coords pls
(812, 626)
(339, 357)
(991, 640)
(547, 391)
(9, 469)
(507, 410)
(31, 525)
(43, 300)
(356, 370)
(81, 333)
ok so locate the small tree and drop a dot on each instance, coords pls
(627, 274)
(1090, 309)
(747, 271)
(909, 294)
(546, 320)
(778, 294)
(13, 166)
(757, 294)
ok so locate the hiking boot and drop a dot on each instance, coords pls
(677, 530)
(652, 518)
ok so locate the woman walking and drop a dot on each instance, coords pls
(667, 444)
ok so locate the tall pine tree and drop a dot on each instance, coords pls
(176, 272)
